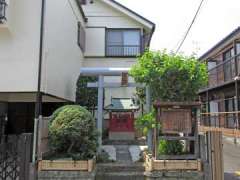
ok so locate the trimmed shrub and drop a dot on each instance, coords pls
(72, 133)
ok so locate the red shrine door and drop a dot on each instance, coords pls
(121, 122)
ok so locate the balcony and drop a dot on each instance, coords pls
(220, 119)
(3, 6)
(224, 72)
(123, 51)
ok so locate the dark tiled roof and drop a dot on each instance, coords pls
(122, 104)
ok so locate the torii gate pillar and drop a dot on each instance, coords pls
(100, 109)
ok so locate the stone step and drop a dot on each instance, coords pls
(123, 154)
(120, 167)
(120, 176)
(124, 142)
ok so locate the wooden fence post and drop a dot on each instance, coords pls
(215, 153)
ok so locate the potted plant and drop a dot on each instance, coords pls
(72, 140)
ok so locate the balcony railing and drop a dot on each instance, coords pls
(221, 113)
(123, 51)
(3, 6)
(224, 72)
(221, 119)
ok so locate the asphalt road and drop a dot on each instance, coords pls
(231, 155)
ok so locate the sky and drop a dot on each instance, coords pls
(216, 19)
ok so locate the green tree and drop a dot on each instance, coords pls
(146, 122)
(72, 133)
(171, 77)
(85, 96)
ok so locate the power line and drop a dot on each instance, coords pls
(189, 28)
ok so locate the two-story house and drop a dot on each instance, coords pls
(45, 43)
(222, 94)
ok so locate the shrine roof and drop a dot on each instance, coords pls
(122, 104)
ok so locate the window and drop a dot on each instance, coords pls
(230, 107)
(81, 37)
(229, 66)
(211, 64)
(3, 5)
(238, 47)
(238, 56)
(123, 42)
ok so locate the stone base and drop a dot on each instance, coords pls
(174, 175)
(121, 135)
(69, 175)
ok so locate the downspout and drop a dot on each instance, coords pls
(151, 35)
(38, 105)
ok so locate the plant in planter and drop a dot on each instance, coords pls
(170, 147)
(72, 133)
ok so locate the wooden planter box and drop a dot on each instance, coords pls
(170, 165)
(65, 165)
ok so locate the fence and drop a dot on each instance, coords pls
(43, 147)
(211, 153)
(15, 153)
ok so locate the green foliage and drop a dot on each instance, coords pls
(72, 132)
(146, 122)
(85, 96)
(170, 147)
(171, 77)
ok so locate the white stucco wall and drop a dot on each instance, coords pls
(62, 55)
(95, 42)
(101, 16)
(19, 46)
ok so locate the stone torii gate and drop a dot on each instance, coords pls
(100, 73)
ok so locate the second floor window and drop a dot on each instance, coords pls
(123, 43)
(3, 5)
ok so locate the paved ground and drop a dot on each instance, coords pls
(231, 160)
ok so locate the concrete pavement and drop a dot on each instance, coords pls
(231, 156)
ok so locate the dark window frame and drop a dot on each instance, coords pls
(81, 37)
(229, 70)
(140, 46)
(3, 6)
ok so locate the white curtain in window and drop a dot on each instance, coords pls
(214, 108)
(131, 41)
(115, 38)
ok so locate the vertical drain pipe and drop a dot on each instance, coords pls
(38, 105)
